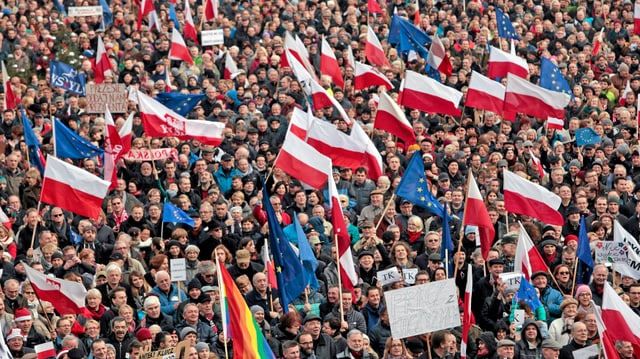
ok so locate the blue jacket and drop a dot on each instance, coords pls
(168, 301)
(224, 179)
(552, 299)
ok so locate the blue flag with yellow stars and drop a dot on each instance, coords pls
(583, 255)
(552, 79)
(407, 37)
(413, 187)
(69, 144)
(586, 136)
(173, 214)
(527, 293)
(179, 102)
(505, 27)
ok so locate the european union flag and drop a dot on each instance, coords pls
(413, 187)
(107, 15)
(583, 255)
(173, 214)
(33, 145)
(447, 243)
(178, 102)
(407, 37)
(68, 144)
(60, 7)
(527, 294)
(586, 136)
(505, 27)
(289, 270)
(552, 79)
(308, 258)
(173, 16)
(67, 77)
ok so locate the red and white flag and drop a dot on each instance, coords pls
(210, 10)
(416, 14)
(502, 63)
(476, 214)
(485, 94)
(329, 64)
(367, 76)
(524, 97)
(146, 7)
(103, 63)
(167, 81)
(597, 40)
(116, 144)
(374, 7)
(428, 95)
(351, 60)
(372, 159)
(536, 162)
(619, 322)
(555, 123)
(160, 121)
(5, 220)
(321, 98)
(524, 197)
(67, 297)
(45, 350)
(72, 188)
(230, 67)
(528, 259)
(636, 18)
(466, 316)
(268, 265)
(179, 50)
(438, 58)
(392, 119)
(190, 31)
(347, 267)
(623, 97)
(374, 51)
(293, 46)
(10, 99)
(300, 160)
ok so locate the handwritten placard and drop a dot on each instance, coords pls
(100, 95)
(178, 269)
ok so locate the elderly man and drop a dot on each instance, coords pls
(551, 298)
(624, 349)
(114, 280)
(506, 349)
(355, 346)
(579, 340)
(155, 316)
(600, 274)
(12, 297)
(170, 295)
(120, 337)
(550, 349)
(322, 345)
(191, 319)
(15, 342)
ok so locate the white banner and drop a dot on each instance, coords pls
(611, 252)
(630, 267)
(85, 11)
(212, 37)
(423, 309)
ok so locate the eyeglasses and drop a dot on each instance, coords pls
(396, 345)
(58, 215)
(564, 273)
(28, 293)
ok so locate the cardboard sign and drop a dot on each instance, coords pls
(99, 96)
(178, 269)
(168, 353)
(409, 275)
(148, 154)
(212, 37)
(586, 353)
(611, 252)
(423, 308)
(511, 279)
(85, 11)
(388, 276)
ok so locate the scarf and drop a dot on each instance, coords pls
(413, 236)
(356, 355)
(6, 241)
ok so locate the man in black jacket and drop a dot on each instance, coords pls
(120, 337)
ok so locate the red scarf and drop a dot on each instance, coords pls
(413, 236)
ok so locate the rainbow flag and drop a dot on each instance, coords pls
(238, 323)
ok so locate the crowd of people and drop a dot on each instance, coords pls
(122, 257)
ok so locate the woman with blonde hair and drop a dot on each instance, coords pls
(395, 349)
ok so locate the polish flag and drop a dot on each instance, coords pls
(367, 76)
(10, 99)
(329, 64)
(103, 66)
(300, 160)
(179, 50)
(351, 61)
(167, 81)
(426, 94)
(374, 51)
(636, 18)
(501, 63)
(268, 265)
(294, 47)
(73, 188)
(476, 214)
(210, 10)
(374, 7)
(555, 123)
(116, 145)
(67, 297)
(416, 15)
(5, 220)
(536, 162)
(190, 31)
(524, 197)
(392, 119)
(343, 243)
(146, 7)
(597, 40)
(484, 93)
(623, 97)
(619, 322)
(528, 260)
(466, 316)
(438, 58)
(45, 350)
(160, 121)
(154, 21)
(230, 67)
(372, 159)
(524, 97)
(321, 98)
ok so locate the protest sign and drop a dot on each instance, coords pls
(591, 351)
(102, 95)
(511, 279)
(178, 269)
(631, 264)
(388, 276)
(85, 11)
(168, 353)
(409, 275)
(148, 154)
(611, 252)
(423, 309)
(212, 37)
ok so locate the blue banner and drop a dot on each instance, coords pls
(67, 77)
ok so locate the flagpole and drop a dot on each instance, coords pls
(335, 237)
(49, 325)
(53, 132)
(575, 271)
(35, 229)
(391, 200)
